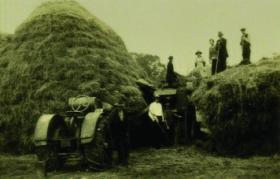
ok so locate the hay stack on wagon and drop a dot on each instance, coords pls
(241, 108)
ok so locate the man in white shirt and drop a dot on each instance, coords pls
(155, 113)
(155, 110)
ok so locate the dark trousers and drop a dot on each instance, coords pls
(159, 133)
(213, 69)
(246, 53)
(119, 134)
(171, 83)
(221, 66)
(123, 150)
(191, 120)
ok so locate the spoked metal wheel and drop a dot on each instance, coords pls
(98, 153)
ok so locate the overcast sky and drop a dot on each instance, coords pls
(175, 27)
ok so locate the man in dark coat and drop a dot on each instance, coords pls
(222, 53)
(245, 45)
(170, 74)
(213, 56)
(120, 133)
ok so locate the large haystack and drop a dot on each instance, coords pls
(241, 108)
(60, 51)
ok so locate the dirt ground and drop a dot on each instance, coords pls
(180, 162)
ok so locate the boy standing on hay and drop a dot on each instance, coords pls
(222, 53)
(245, 45)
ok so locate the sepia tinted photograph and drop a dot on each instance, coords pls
(139, 89)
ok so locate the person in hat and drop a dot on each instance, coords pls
(200, 64)
(212, 56)
(120, 132)
(170, 74)
(155, 113)
(246, 47)
(155, 110)
(199, 61)
(222, 53)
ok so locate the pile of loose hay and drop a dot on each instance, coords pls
(60, 51)
(241, 107)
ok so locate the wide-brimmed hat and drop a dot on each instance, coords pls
(242, 29)
(198, 52)
(170, 57)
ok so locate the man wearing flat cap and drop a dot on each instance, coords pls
(170, 74)
(246, 47)
(222, 53)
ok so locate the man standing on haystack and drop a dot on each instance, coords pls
(170, 74)
(212, 56)
(222, 53)
(245, 45)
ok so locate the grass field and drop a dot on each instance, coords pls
(180, 162)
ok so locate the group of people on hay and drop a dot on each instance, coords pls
(218, 55)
